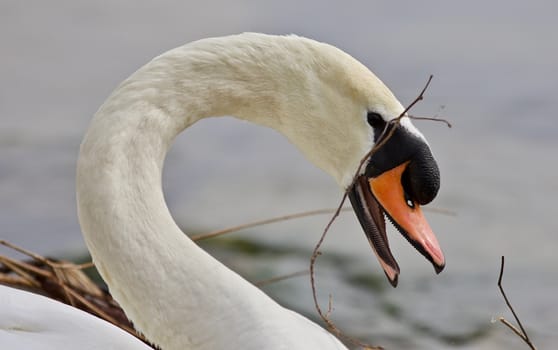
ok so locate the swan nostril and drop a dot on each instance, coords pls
(407, 188)
(410, 204)
(408, 199)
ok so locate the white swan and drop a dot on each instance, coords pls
(324, 101)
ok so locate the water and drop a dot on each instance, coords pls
(495, 74)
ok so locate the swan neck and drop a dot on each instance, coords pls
(174, 292)
(161, 278)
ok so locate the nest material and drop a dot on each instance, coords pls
(63, 281)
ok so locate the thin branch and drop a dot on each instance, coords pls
(521, 333)
(420, 97)
(512, 327)
(266, 282)
(434, 119)
(17, 281)
(442, 211)
(58, 277)
(16, 267)
(23, 251)
(25, 266)
(72, 266)
(276, 219)
(329, 306)
(261, 223)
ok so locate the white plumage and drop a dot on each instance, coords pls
(31, 321)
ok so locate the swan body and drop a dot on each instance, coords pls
(31, 321)
(176, 294)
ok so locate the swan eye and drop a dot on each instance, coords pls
(375, 120)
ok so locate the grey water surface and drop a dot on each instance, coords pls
(496, 79)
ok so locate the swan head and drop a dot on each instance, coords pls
(399, 177)
(341, 112)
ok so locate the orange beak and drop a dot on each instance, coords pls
(385, 194)
(406, 214)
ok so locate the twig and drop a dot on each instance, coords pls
(442, 211)
(435, 119)
(65, 288)
(384, 137)
(329, 306)
(23, 251)
(281, 278)
(520, 332)
(25, 266)
(261, 223)
(19, 270)
(46, 261)
(16, 281)
(273, 220)
(83, 266)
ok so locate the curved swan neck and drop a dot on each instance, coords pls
(175, 293)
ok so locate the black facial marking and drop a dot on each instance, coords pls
(421, 178)
(376, 121)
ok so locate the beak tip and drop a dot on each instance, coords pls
(439, 268)
(393, 281)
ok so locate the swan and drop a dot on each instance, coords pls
(330, 106)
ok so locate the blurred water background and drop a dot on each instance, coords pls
(496, 78)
